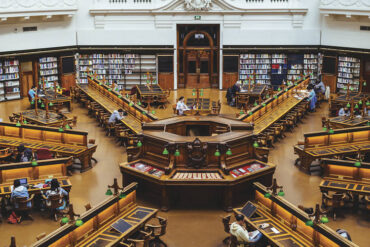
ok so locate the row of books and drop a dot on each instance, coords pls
(52, 65)
(12, 69)
(349, 59)
(346, 81)
(349, 70)
(9, 77)
(255, 66)
(48, 72)
(47, 59)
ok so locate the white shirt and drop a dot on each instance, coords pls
(181, 107)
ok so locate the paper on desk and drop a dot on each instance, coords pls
(38, 186)
(275, 230)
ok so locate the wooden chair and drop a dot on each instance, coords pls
(333, 202)
(53, 202)
(142, 239)
(157, 231)
(242, 100)
(226, 223)
(162, 101)
(5, 154)
(22, 209)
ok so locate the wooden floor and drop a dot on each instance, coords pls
(197, 227)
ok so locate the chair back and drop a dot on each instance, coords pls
(162, 229)
(22, 203)
(56, 201)
(4, 152)
(233, 241)
(338, 199)
(44, 154)
(226, 223)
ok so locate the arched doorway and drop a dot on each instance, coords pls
(198, 57)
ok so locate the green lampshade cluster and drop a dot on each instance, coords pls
(18, 124)
(64, 220)
(263, 104)
(165, 151)
(79, 222)
(34, 163)
(324, 219)
(109, 192)
(275, 96)
(241, 112)
(255, 144)
(32, 102)
(217, 153)
(42, 105)
(255, 103)
(228, 152)
(357, 163)
(61, 129)
(109, 89)
(144, 112)
(67, 127)
(139, 103)
(309, 223)
(139, 144)
(177, 153)
(348, 105)
(356, 106)
(153, 112)
(324, 129)
(131, 104)
(100, 83)
(267, 195)
(279, 89)
(51, 104)
(24, 121)
(331, 131)
(119, 96)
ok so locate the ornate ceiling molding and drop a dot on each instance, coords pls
(345, 7)
(27, 8)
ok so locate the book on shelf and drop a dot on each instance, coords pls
(48, 70)
(255, 67)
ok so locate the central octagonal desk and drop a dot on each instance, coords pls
(196, 156)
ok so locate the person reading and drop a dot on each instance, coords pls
(312, 97)
(344, 112)
(32, 93)
(238, 230)
(19, 190)
(181, 106)
(116, 116)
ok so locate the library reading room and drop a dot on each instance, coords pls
(185, 123)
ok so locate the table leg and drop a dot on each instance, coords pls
(228, 199)
(164, 199)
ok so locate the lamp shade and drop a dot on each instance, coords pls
(367, 103)
(241, 112)
(267, 195)
(177, 153)
(42, 105)
(32, 102)
(279, 89)
(217, 153)
(309, 223)
(39, 100)
(360, 102)
(356, 106)
(67, 127)
(364, 83)
(64, 220)
(24, 121)
(109, 89)
(109, 192)
(122, 195)
(255, 103)
(139, 103)
(131, 104)
(324, 129)
(357, 164)
(18, 124)
(127, 95)
(100, 83)
(144, 112)
(324, 219)
(275, 96)
(79, 222)
(255, 144)
(281, 193)
(34, 163)
(139, 144)
(228, 152)
(165, 151)
(348, 105)
(331, 131)
(263, 104)
(119, 96)
(61, 129)
(250, 113)
(153, 112)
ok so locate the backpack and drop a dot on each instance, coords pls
(13, 218)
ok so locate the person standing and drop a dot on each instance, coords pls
(181, 106)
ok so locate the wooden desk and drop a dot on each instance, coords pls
(57, 98)
(338, 185)
(5, 189)
(290, 222)
(347, 122)
(204, 107)
(322, 144)
(153, 90)
(43, 170)
(66, 143)
(256, 91)
(341, 100)
(96, 230)
(54, 119)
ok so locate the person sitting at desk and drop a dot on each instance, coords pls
(55, 189)
(32, 93)
(312, 97)
(344, 112)
(181, 106)
(116, 116)
(357, 112)
(319, 87)
(24, 154)
(238, 230)
(19, 190)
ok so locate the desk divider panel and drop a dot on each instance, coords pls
(32, 134)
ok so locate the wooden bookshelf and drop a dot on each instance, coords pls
(278, 68)
(295, 67)
(9, 80)
(256, 67)
(348, 73)
(48, 70)
(311, 66)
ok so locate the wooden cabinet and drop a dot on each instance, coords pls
(68, 80)
(331, 81)
(229, 79)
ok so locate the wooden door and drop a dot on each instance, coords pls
(27, 82)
